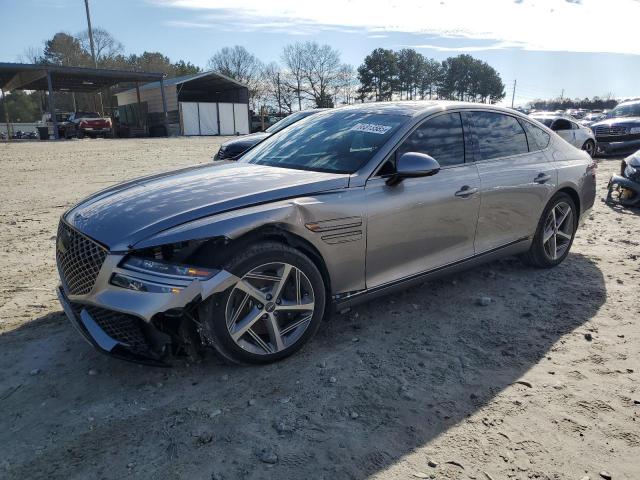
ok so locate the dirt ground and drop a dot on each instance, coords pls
(543, 383)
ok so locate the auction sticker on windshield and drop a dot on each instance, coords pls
(371, 128)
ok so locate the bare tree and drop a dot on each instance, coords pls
(321, 70)
(293, 57)
(31, 55)
(237, 63)
(278, 88)
(346, 85)
(106, 46)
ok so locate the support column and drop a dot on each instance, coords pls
(164, 107)
(6, 116)
(52, 106)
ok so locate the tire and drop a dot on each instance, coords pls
(271, 333)
(538, 255)
(589, 147)
(80, 134)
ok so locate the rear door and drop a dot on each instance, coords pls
(423, 223)
(564, 128)
(516, 177)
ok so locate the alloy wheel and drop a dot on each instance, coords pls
(558, 230)
(270, 308)
(590, 148)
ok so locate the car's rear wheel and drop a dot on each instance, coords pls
(555, 233)
(272, 311)
(589, 147)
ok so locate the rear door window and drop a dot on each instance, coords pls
(441, 137)
(538, 138)
(498, 135)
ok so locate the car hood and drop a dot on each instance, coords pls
(123, 215)
(621, 121)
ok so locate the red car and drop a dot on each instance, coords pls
(89, 124)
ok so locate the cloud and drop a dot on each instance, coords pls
(546, 25)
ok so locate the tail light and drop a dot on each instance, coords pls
(109, 122)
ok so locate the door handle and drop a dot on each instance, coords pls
(466, 191)
(542, 178)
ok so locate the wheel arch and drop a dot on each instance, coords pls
(281, 235)
(573, 193)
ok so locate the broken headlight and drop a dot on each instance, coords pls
(156, 276)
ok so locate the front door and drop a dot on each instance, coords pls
(423, 223)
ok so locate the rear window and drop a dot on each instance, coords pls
(538, 138)
(498, 135)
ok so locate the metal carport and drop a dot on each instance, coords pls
(54, 78)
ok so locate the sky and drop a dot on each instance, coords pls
(574, 48)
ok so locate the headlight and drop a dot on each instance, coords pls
(634, 130)
(630, 171)
(156, 276)
(168, 270)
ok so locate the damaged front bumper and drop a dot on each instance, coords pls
(627, 192)
(120, 322)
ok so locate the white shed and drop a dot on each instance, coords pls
(205, 103)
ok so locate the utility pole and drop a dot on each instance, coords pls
(6, 116)
(562, 95)
(513, 95)
(93, 49)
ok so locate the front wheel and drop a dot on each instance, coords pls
(271, 312)
(589, 147)
(555, 233)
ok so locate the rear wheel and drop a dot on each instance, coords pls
(272, 311)
(555, 233)
(589, 147)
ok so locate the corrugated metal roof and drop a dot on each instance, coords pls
(186, 79)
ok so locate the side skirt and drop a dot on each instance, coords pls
(354, 298)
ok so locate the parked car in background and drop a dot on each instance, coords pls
(62, 119)
(234, 148)
(247, 257)
(89, 124)
(619, 133)
(577, 135)
(624, 189)
(591, 118)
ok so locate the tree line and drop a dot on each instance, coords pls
(567, 103)
(306, 74)
(407, 74)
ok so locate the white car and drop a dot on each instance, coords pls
(579, 136)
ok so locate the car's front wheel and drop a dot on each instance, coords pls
(272, 311)
(555, 233)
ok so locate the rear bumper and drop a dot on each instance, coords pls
(618, 147)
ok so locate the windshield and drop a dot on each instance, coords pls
(337, 142)
(630, 110)
(286, 121)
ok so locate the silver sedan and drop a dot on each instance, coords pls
(248, 257)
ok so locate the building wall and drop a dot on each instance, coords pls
(153, 97)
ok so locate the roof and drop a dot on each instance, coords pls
(211, 79)
(22, 76)
(413, 108)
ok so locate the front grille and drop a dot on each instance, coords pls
(79, 260)
(121, 327)
(610, 131)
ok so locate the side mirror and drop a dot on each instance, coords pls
(412, 165)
